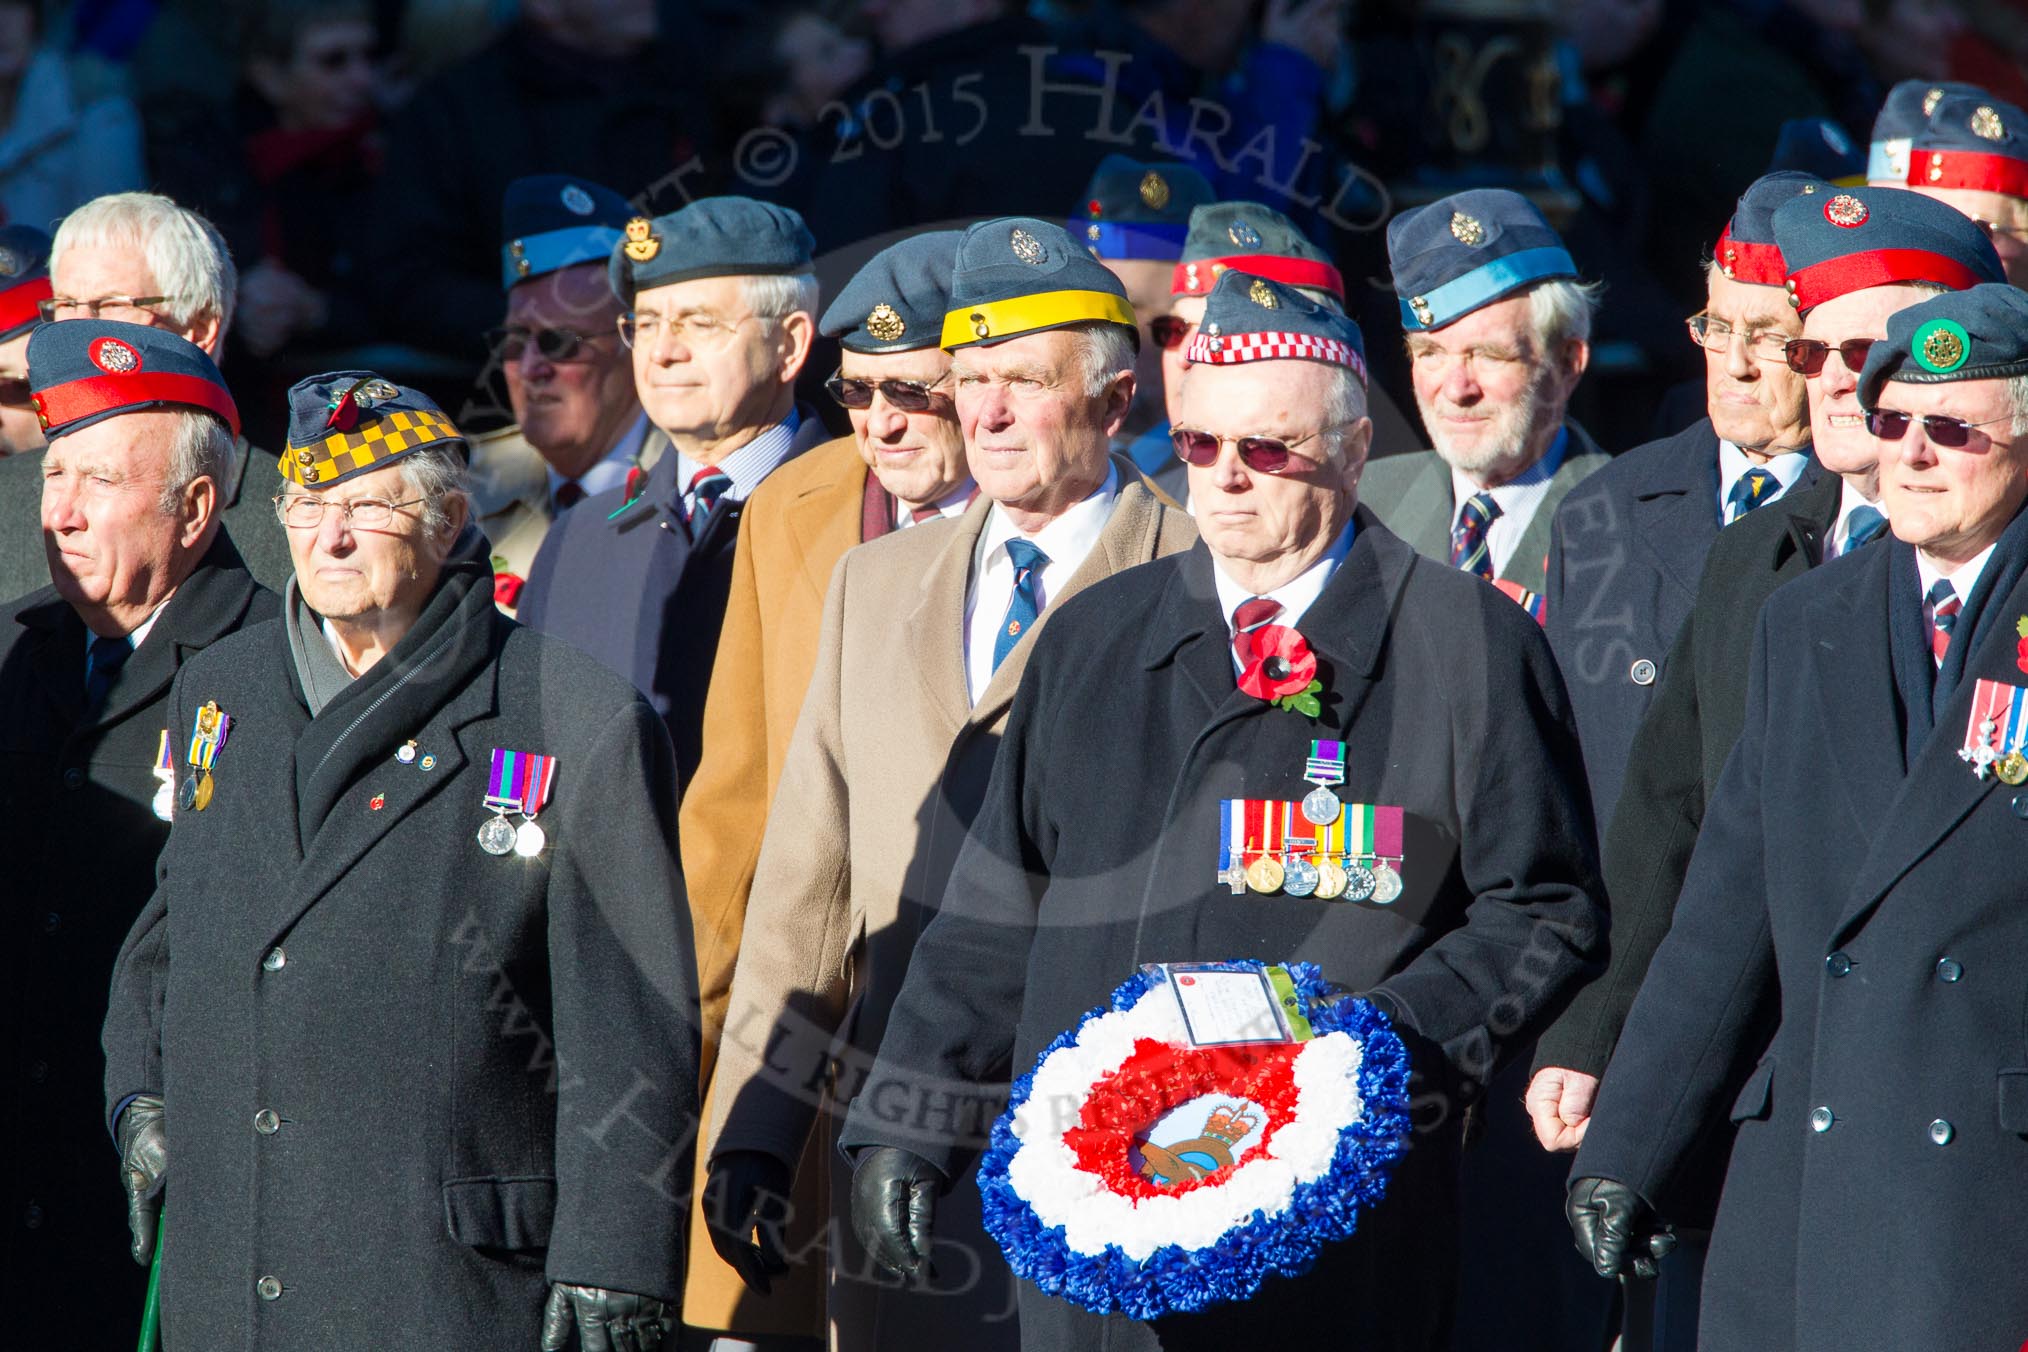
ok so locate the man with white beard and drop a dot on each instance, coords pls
(1499, 333)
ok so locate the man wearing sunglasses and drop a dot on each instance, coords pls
(923, 642)
(902, 467)
(1849, 882)
(720, 311)
(578, 428)
(1971, 152)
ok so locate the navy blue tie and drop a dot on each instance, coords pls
(1023, 607)
(102, 664)
(1750, 490)
(1863, 527)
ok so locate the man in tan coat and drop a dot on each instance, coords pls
(923, 641)
(892, 381)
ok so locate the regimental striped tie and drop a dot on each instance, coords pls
(1026, 603)
(1863, 527)
(707, 486)
(918, 515)
(1468, 537)
(1248, 616)
(1943, 606)
(1755, 488)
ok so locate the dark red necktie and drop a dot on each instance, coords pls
(918, 515)
(1247, 617)
(569, 494)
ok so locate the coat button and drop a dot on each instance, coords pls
(1941, 1132)
(269, 1288)
(275, 960)
(1821, 1120)
(266, 1122)
(73, 778)
(1949, 969)
(1642, 672)
(2021, 805)
(1838, 965)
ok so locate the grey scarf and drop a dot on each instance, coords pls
(318, 669)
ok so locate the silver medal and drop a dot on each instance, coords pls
(528, 839)
(496, 836)
(1299, 877)
(186, 795)
(1386, 883)
(1359, 881)
(1321, 806)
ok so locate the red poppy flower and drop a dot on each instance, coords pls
(2021, 653)
(1282, 664)
(507, 588)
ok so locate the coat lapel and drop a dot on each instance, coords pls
(1675, 515)
(821, 521)
(206, 607)
(1529, 563)
(1812, 509)
(936, 627)
(57, 652)
(1850, 652)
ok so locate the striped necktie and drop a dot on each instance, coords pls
(1248, 616)
(1025, 604)
(1468, 537)
(1752, 489)
(1943, 606)
(1863, 527)
(707, 486)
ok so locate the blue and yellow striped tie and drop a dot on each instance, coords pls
(1468, 537)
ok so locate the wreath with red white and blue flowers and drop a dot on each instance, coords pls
(1295, 1140)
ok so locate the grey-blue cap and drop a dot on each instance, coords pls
(1980, 333)
(1466, 251)
(897, 302)
(714, 237)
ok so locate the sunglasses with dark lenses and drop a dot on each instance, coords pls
(1263, 455)
(910, 396)
(553, 344)
(1891, 424)
(1168, 331)
(1806, 356)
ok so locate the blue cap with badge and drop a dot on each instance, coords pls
(1018, 275)
(346, 423)
(1248, 237)
(1138, 209)
(84, 371)
(24, 278)
(1906, 109)
(1850, 241)
(897, 302)
(1468, 250)
(1971, 141)
(713, 237)
(1977, 334)
(1248, 319)
(552, 221)
(1746, 250)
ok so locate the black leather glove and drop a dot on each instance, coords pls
(606, 1321)
(746, 1203)
(144, 1161)
(1617, 1232)
(893, 1202)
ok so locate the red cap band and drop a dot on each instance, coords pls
(1742, 261)
(1968, 169)
(1197, 277)
(20, 305)
(1881, 267)
(60, 405)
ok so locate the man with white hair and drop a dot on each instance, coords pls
(142, 578)
(1165, 702)
(1499, 333)
(925, 635)
(139, 258)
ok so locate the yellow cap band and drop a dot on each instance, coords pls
(344, 453)
(1026, 314)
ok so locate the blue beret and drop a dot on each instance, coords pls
(1468, 250)
(552, 221)
(84, 371)
(1251, 319)
(1819, 147)
(713, 237)
(1972, 141)
(24, 278)
(1747, 251)
(345, 423)
(1979, 334)
(897, 302)
(1142, 210)
(1875, 237)
(1019, 275)
(1907, 108)
(1248, 237)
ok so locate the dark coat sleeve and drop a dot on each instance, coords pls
(1647, 852)
(1703, 998)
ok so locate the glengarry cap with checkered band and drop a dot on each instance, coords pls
(83, 371)
(1248, 319)
(1906, 109)
(1866, 237)
(553, 221)
(1746, 250)
(1139, 208)
(1018, 275)
(1248, 237)
(727, 236)
(345, 423)
(24, 278)
(897, 302)
(1466, 251)
(1971, 141)
(1978, 334)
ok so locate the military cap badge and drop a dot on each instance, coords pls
(577, 201)
(642, 243)
(1931, 100)
(1845, 210)
(113, 356)
(1467, 230)
(1026, 247)
(1986, 125)
(1154, 190)
(1940, 345)
(885, 324)
(1244, 235)
(1261, 296)
(10, 263)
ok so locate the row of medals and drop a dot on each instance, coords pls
(1357, 878)
(2012, 768)
(500, 836)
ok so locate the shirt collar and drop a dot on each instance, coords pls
(611, 470)
(1541, 472)
(1297, 594)
(1066, 537)
(1732, 462)
(1850, 500)
(1962, 581)
(952, 503)
(751, 463)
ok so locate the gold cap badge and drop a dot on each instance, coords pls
(1154, 190)
(1467, 230)
(1026, 247)
(884, 323)
(642, 243)
(1930, 101)
(1986, 125)
(1260, 295)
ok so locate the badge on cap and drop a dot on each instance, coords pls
(10, 263)
(1154, 190)
(113, 356)
(1986, 125)
(885, 324)
(1940, 345)
(1845, 210)
(1259, 294)
(1467, 229)
(642, 243)
(379, 389)
(1026, 247)
(576, 200)
(1242, 234)
(1931, 100)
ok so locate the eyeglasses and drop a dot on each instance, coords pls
(560, 345)
(90, 308)
(15, 392)
(706, 332)
(1994, 230)
(909, 396)
(1715, 335)
(1168, 331)
(1263, 455)
(1806, 356)
(1891, 424)
(303, 511)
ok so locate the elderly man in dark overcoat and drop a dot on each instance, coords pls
(143, 577)
(1097, 845)
(407, 1033)
(1855, 870)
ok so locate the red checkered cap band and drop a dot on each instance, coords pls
(1836, 277)
(1968, 169)
(1235, 348)
(60, 405)
(1198, 276)
(19, 304)
(1744, 261)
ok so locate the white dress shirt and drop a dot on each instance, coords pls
(1066, 541)
(747, 466)
(1849, 500)
(1517, 500)
(611, 470)
(1963, 579)
(1732, 462)
(1296, 595)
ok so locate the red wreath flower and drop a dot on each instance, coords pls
(1283, 671)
